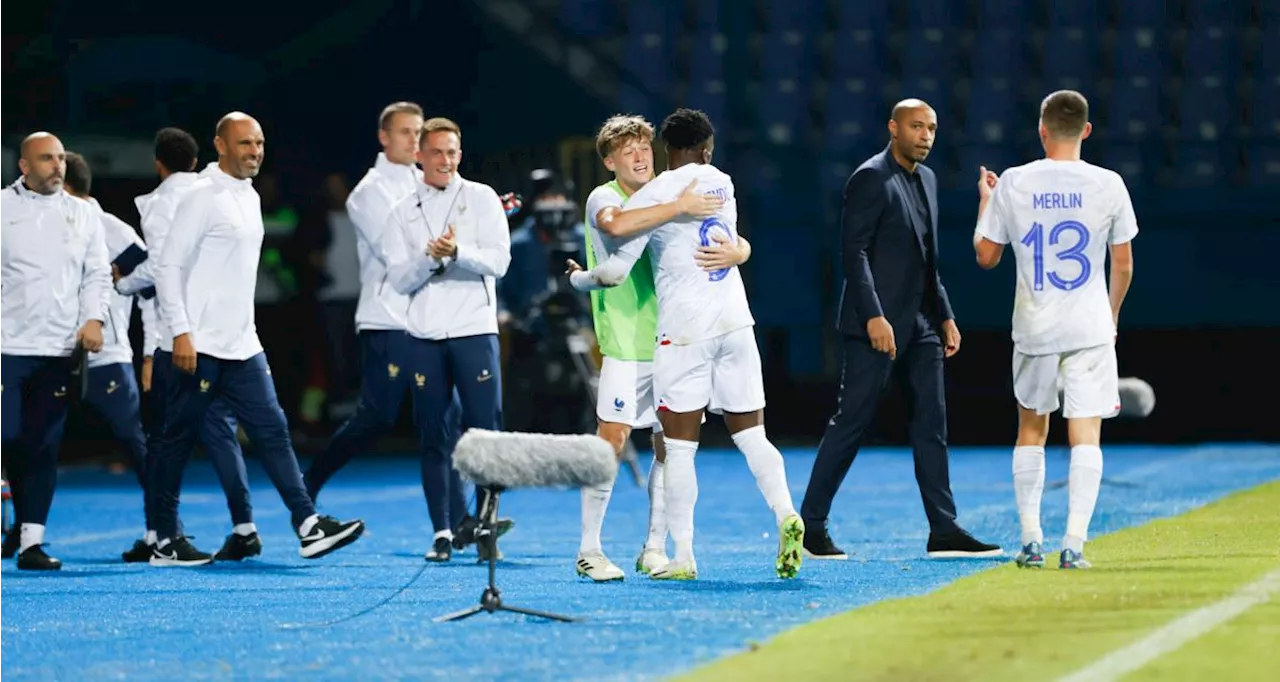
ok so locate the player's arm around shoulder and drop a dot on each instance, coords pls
(648, 210)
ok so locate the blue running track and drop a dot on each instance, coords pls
(283, 617)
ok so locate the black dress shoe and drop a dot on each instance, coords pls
(818, 544)
(959, 544)
(441, 550)
(34, 559)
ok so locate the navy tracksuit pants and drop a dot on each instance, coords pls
(33, 409)
(218, 438)
(386, 376)
(249, 391)
(469, 368)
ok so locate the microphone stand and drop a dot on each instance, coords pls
(491, 599)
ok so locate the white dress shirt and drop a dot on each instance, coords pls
(55, 272)
(457, 297)
(116, 348)
(208, 267)
(157, 209)
(369, 207)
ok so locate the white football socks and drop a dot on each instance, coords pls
(766, 465)
(657, 508)
(30, 535)
(595, 500)
(1028, 488)
(244, 529)
(1083, 483)
(680, 494)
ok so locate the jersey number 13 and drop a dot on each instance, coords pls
(1071, 230)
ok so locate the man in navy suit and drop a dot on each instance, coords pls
(897, 324)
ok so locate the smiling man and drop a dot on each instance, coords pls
(206, 277)
(897, 323)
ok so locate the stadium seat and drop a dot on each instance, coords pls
(929, 53)
(647, 56)
(1075, 14)
(1126, 158)
(805, 16)
(1264, 165)
(999, 53)
(1139, 53)
(853, 119)
(857, 54)
(706, 14)
(1070, 59)
(1207, 109)
(1133, 14)
(932, 14)
(589, 18)
(990, 116)
(1002, 14)
(1199, 164)
(707, 88)
(1269, 14)
(1202, 14)
(1133, 110)
(1265, 106)
(1212, 52)
(996, 157)
(863, 14)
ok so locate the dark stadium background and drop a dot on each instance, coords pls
(1185, 101)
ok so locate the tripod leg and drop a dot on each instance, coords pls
(459, 615)
(538, 614)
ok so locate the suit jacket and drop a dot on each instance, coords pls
(886, 268)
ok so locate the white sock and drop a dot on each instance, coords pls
(766, 465)
(244, 529)
(657, 508)
(595, 501)
(32, 534)
(163, 542)
(151, 538)
(1028, 487)
(305, 529)
(680, 481)
(1083, 482)
(442, 534)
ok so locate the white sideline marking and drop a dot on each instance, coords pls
(1171, 637)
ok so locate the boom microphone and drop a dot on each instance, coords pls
(1137, 398)
(506, 459)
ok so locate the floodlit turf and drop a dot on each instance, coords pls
(346, 616)
(1011, 624)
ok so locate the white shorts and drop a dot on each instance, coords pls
(721, 374)
(1087, 378)
(625, 393)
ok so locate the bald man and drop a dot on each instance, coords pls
(206, 274)
(56, 294)
(897, 325)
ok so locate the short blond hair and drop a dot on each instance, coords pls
(389, 113)
(621, 128)
(439, 124)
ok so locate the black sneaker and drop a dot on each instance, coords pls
(818, 544)
(328, 535)
(34, 559)
(465, 533)
(12, 542)
(959, 544)
(441, 550)
(137, 554)
(179, 552)
(239, 547)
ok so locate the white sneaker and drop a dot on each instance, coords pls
(675, 571)
(598, 568)
(651, 560)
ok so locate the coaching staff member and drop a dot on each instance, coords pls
(893, 311)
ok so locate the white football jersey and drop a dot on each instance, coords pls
(1060, 218)
(693, 305)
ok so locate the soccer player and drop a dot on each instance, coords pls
(1061, 215)
(706, 355)
(626, 318)
(205, 281)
